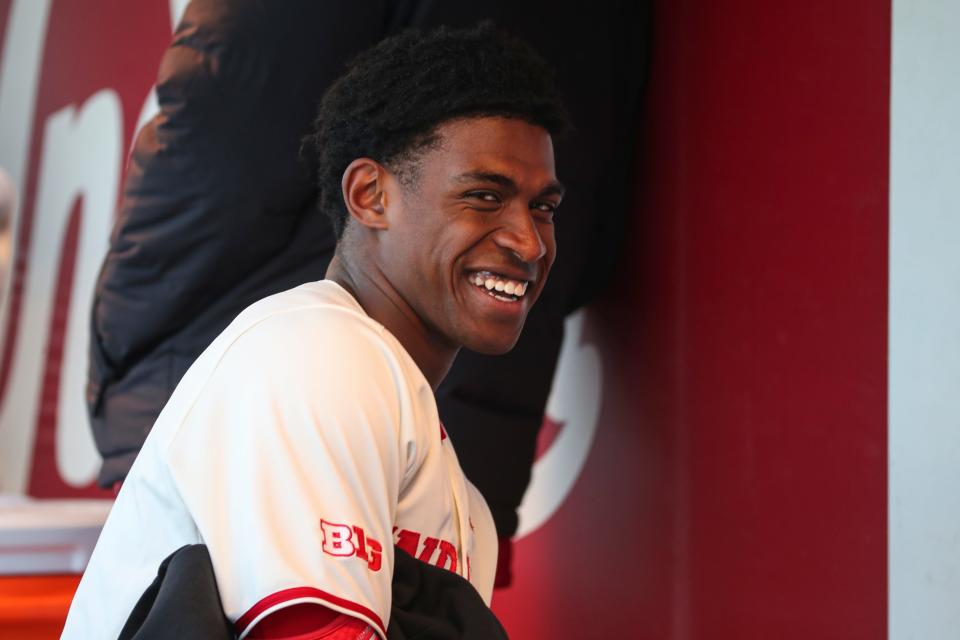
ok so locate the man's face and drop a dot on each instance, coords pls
(471, 241)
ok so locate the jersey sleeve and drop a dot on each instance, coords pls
(290, 463)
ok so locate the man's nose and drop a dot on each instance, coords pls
(521, 235)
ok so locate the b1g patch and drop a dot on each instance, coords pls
(344, 541)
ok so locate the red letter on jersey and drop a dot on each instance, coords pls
(408, 541)
(447, 552)
(429, 546)
(336, 539)
(375, 554)
(361, 543)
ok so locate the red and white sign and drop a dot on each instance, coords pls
(69, 100)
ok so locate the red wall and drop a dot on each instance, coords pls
(737, 487)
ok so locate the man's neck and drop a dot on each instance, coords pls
(432, 355)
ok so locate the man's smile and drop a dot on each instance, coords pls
(498, 285)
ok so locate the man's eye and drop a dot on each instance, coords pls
(546, 207)
(486, 196)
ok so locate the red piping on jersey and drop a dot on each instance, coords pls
(443, 433)
(304, 592)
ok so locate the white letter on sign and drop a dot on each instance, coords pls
(81, 157)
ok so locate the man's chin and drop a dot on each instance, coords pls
(493, 346)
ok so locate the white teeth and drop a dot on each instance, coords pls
(495, 286)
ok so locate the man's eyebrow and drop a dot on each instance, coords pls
(554, 188)
(487, 176)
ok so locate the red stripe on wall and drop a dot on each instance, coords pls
(44, 480)
(5, 7)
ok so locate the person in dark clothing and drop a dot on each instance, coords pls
(219, 209)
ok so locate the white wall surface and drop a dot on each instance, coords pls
(924, 371)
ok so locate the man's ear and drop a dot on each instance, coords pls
(364, 188)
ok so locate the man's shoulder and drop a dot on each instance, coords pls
(315, 315)
(306, 353)
(323, 300)
(296, 359)
(316, 331)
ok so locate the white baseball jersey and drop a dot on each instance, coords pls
(299, 447)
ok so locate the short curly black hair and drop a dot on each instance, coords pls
(394, 95)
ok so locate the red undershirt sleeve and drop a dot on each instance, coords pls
(311, 622)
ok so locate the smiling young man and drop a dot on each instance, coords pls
(304, 444)
(458, 257)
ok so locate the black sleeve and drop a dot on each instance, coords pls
(218, 205)
(183, 603)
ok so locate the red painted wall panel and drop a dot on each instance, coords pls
(743, 446)
(783, 261)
